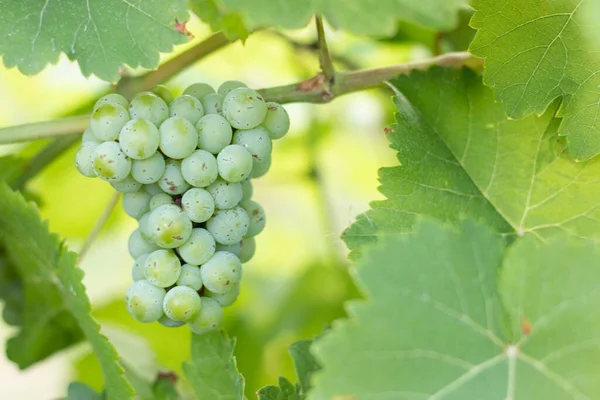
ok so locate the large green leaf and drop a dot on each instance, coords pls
(459, 155)
(230, 23)
(102, 35)
(212, 370)
(371, 17)
(537, 51)
(57, 309)
(433, 326)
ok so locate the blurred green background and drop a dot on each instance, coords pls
(323, 174)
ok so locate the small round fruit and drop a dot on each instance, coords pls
(190, 276)
(257, 217)
(149, 170)
(83, 159)
(200, 168)
(209, 318)
(127, 185)
(162, 268)
(139, 139)
(169, 323)
(213, 103)
(168, 226)
(144, 301)
(199, 90)
(181, 303)
(136, 203)
(163, 92)
(198, 204)
(234, 163)
(172, 180)
(226, 194)
(228, 226)
(160, 199)
(244, 108)
(228, 86)
(110, 163)
(187, 107)
(214, 133)
(277, 121)
(247, 250)
(112, 98)
(147, 105)
(221, 272)
(107, 121)
(199, 248)
(227, 299)
(178, 138)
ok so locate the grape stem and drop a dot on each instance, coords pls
(317, 90)
(100, 222)
(324, 56)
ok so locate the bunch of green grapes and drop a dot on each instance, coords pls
(184, 165)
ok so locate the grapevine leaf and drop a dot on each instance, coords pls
(433, 326)
(372, 17)
(102, 35)
(304, 362)
(460, 155)
(212, 371)
(81, 391)
(164, 389)
(56, 305)
(230, 23)
(285, 391)
(536, 52)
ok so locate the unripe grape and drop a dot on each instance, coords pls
(199, 248)
(147, 105)
(163, 92)
(137, 245)
(107, 121)
(181, 303)
(260, 168)
(235, 248)
(187, 107)
(247, 189)
(149, 170)
(234, 163)
(214, 133)
(152, 189)
(112, 98)
(136, 204)
(190, 276)
(144, 301)
(139, 266)
(88, 136)
(172, 181)
(178, 138)
(199, 90)
(168, 226)
(83, 159)
(110, 163)
(257, 141)
(169, 323)
(228, 226)
(198, 204)
(226, 194)
(162, 268)
(228, 86)
(139, 139)
(160, 199)
(227, 299)
(244, 108)
(127, 185)
(277, 121)
(248, 249)
(209, 318)
(200, 168)
(257, 217)
(213, 104)
(221, 272)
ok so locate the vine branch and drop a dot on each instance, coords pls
(324, 55)
(100, 222)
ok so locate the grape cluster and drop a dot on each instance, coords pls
(184, 165)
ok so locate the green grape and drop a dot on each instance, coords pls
(209, 318)
(178, 138)
(261, 167)
(149, 170)
(199, 90)
(213, 104)
(256, 141)
(143, 227)
(199, 248)
(107, 121)
(181, 303)
(221, 272)
(187, 107)
(244, 108)
(152, 189)
(112, 98)
(163, 92)
(257, 217)
(168, 226)
(162, 268)
(214, 133)
(277, 121)
(110, 163)
(226, 194)
(226, 299)
(172, 181)
(234, 163)
(169, 323)
(88, 136)
(247, 189)
(190, 276)
(147, 105)
(136, 204)
(83, 159)
(144, 301)
(139, 139)
(231, 248)
(127, 185)
(228, 226)
(200, 168)
(137, 245)
(228, 86)
(160, 199)
(198, 204)
(137, 272)
(248, 249)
